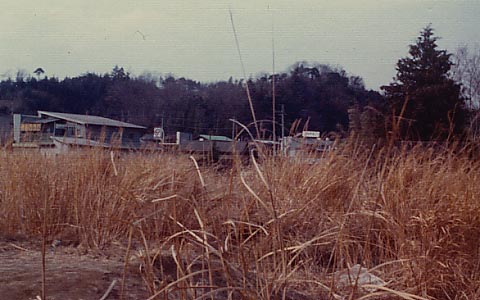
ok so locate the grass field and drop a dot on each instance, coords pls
(273, 229)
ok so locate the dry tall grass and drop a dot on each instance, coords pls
(279, 229)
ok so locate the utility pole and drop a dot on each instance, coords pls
(282, 114)
(273, 90)
(233, 129)
(283, 127)
(283, 121)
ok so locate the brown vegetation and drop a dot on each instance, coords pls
(279, 229)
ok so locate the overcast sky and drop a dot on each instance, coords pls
(194, 39)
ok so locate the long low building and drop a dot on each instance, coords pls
(57, 132)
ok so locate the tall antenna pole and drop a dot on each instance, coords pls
(283, 121)
(233, 129)
(273, 87)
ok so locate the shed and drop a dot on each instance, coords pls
(48, 128)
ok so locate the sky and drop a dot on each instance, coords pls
(194, 39)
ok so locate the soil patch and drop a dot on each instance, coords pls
(69, 274)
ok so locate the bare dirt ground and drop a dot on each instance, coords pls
(70, 274)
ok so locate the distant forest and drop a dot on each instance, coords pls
(318, 95)
(434, 96)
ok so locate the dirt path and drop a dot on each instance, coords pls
(70, 275)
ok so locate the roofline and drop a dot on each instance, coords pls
(213, 136)
(50, 114)
(55, 115)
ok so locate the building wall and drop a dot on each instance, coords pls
(27, 130)
(113, 135)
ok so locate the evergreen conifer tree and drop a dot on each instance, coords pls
(426, 103)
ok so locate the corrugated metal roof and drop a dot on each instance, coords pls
(29, 118)
(215, 137)
(44, 121)
(37, 119)
(89, 120)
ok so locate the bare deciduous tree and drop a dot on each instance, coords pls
(466, 70)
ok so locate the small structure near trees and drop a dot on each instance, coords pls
(56, 132)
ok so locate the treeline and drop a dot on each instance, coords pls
(434, 96)
(319, 95)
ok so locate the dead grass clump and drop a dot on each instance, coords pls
(280, 229)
